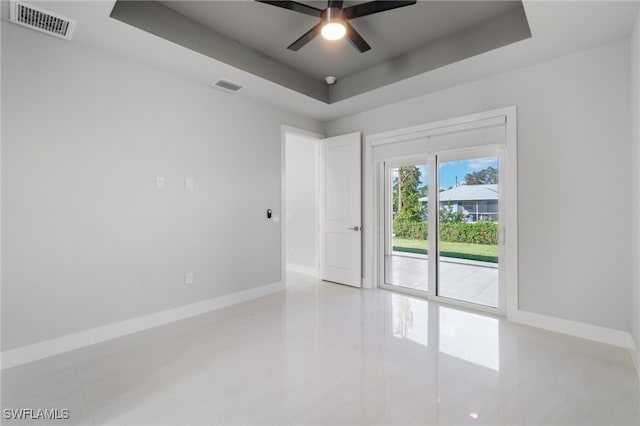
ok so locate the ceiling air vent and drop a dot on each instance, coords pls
(227, 86)
(41, 20)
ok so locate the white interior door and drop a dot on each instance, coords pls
(340, 210)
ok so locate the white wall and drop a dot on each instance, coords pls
(573, 175)
(87, 238)
(635, 187)
(301, 203)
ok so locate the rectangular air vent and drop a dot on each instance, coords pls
(41, 20)
(227, 86)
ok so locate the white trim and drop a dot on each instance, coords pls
(635, 356)
(481, 120)
(301, 269)
(420, 294)
(367, 283)
(301, 132)
(578, 329)
(510, 203)
(47, 348)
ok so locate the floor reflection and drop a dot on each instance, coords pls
(322, 353)
(410, 319)
(470, 337)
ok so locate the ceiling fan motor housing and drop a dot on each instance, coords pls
(333, 15)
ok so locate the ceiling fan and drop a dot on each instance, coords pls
(334, 20)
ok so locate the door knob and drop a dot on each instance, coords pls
(355, 228)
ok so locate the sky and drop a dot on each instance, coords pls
(449, 170)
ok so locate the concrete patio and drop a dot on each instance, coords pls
(469, 281)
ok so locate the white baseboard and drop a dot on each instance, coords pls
(47, 348)
(367, 283)
(301, 269)
(610, 336)
(635, 355)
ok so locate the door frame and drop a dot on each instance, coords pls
(374, 196)
(282, 217)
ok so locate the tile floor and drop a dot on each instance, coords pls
(322, 353)
(473, 282)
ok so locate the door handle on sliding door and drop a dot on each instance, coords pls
(355, 228)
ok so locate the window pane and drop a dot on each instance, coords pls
(468, 230)
(406, 229)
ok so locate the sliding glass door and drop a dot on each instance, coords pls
(467, 227)
(445, 194)
(405, 240)
(441, 226)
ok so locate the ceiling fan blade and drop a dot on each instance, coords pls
(306, 38)
(295, 6)
(372, 7)
(356, 39)
(335, 4)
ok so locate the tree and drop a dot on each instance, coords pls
(481, 177)
(408, 194)
(449, 214)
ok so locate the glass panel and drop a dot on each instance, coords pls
(468, 230)
(406, 229)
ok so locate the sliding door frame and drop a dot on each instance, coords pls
(385, 198)
(434, 265)
(374, 198)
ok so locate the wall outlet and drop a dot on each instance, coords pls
(188, 183)
(160, 182)
(188, 278)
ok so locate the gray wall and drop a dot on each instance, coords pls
(635, 189)
(573, 163)
(300, 199)
(87, 238)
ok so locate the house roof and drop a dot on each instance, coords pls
(469, 193)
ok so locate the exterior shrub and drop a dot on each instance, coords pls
(410, 229)
(454, 232)
(472, 233)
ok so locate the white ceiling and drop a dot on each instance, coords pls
(558, 28)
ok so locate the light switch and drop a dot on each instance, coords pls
(188, 183)
(160, 182)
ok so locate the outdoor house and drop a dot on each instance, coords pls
(475, 202)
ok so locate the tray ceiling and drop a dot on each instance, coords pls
(405, 41)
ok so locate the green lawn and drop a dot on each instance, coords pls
(483, 252)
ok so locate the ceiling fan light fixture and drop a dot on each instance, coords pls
(334, 20)
(334, 27)
(333, 31)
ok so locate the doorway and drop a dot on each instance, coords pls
(300, 203)
(445, 194)
(321, 204)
